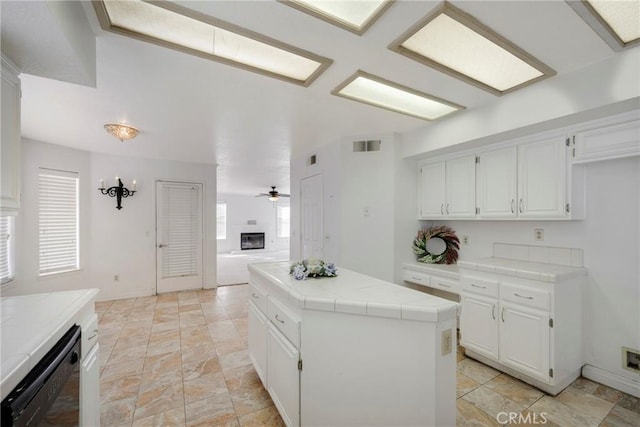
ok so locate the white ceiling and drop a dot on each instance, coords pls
(192, 109)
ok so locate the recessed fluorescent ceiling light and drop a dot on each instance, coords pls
(172, 26)
(369, 89)
(617, 22)
(456, 43)
(354, 16)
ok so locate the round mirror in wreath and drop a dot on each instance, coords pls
(437, 245)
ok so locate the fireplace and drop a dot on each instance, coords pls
(251, 241)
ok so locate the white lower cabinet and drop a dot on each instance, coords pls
(524, 340)
(90, 388)
(284, 376)
(258, 327)
(479, 324)
(527, 328)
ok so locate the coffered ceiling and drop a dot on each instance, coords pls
(189, 108)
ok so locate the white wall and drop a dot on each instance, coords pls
(112, 242)
(609, 236)
(242, 208)
(380, 181)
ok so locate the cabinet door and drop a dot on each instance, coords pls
(90, 388)
(542, 168)
(497, 183)
(258, 341)
(524, 340)
(432, 190)
(11, 140)
(284, 377)
(479, 324)
(461, 187)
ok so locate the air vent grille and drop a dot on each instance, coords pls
(368, 145)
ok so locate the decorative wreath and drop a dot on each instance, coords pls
(449, 256)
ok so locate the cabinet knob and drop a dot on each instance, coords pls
(442, 209)
(513, 203)
(502, 314)
(254, 296)
(520, 205)
(493, 312)
(447, 208)
(278, 319)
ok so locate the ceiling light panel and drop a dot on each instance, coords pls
(376, 91)
(172, 26)
(354, 16)
(457, 44)
(623, 17)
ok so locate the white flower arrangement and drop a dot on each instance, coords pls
(312, 267)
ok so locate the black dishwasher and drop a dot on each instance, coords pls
(50, 393)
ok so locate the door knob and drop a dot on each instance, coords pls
(161, 245)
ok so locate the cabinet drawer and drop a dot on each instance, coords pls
(415, 277)
(89, 335)
(526, 296)
(479, 286)
(445, 284)
(284, 320)
(259, 297)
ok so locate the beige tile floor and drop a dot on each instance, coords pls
(181, 360)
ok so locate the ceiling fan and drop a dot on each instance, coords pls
(273, 195)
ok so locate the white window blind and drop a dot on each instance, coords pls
(58, 221)
(221, 220)
(6, 249)
(181, 231)
(283, 221)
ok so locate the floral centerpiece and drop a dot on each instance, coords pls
(451, 241)
(312, 267)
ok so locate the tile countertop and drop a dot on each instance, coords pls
(356, 293)
(525, 269)
(452, 271)
(30, 325)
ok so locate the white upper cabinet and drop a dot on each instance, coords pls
(447, 188)
(11, 139)
(461, 187)
(542, 179)
(606, 139)
(497, 183)
(432, 190)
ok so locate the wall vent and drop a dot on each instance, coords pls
(631, 359)
(369, 145)
(312, 160)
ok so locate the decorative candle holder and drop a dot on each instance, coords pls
(118, 191)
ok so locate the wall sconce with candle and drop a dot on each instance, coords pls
(119, 191)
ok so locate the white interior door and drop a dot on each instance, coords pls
(178, 236)
(311, 217)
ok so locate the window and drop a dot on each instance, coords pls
(283, 221)
(58, 221)
(7, 250)
(221, 220)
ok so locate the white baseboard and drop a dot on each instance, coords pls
(628, 385)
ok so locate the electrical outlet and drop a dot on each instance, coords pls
(366, 211)
(538, 234)
(116, 278)
(465, 240)
(447, 343)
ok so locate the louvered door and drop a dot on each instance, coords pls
(178, 236)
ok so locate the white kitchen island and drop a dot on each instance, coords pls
(352, 350)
